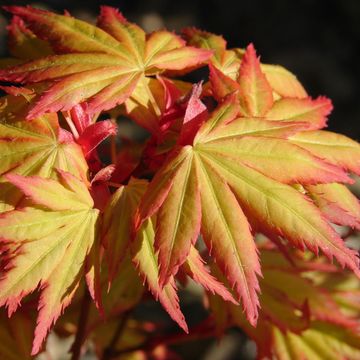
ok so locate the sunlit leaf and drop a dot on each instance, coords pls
(118, 222)
(108, 64)
(335, 148)
(46, 244)
(338, 203)
(33, 148)
(146, 260)
(23, 43)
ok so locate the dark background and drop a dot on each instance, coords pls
(318, 40)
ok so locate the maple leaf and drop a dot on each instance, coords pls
(228, 61)
(337, 203)
(23, 43)
(126, 289)
(344, 289)
(314, 112)
(321, 341)
(335, 148)
(256, 95)
(94, 134)
(164, 96)
(237, 172)
(285, 286)
(295, 321)
(194, 267)
(256, 98)
(102, 65)
(146, 261)
(117, 239)
(117, 235)
(125, 292)
(33, 148)
(46, 244)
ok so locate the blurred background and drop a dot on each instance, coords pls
(319, 41)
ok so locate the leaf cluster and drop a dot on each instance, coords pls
(237, 187)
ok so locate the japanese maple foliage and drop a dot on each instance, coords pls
(235, 157)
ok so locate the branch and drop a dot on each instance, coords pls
(198, 333)
(82, 323)
(110, 349)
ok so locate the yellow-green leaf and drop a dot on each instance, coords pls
(335, 148)
(279, 209)
(227, 235)
(337, 203)
(33, 148)
(321, 341)
(102, 67)
(118, 222)
(283, 82)
(147, 262)
(46, 244)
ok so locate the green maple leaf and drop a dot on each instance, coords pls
(301, 317)
(34, 147)
(321, 341)
(117, 239)
(335, 148)
(45, 244)
(23, 43)
(228, 61)
(265, 90)
(102, 65)
(117, 235)
(237, 175)
(337, 203)
(147, 262)
(223, 183)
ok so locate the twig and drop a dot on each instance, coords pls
(71, 124)
(110, 349)
(82, 323)
(172, 339)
